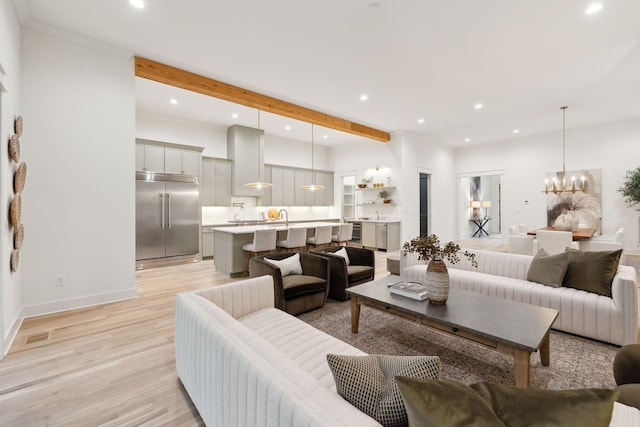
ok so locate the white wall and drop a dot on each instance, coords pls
(9, 109)
(612, 147)
(79, 200)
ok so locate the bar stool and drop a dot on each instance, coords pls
(322, 236)
(345, 233)
(264, 242)
(296, 240)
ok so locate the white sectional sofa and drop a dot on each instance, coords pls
(245, 363)
(503, 275)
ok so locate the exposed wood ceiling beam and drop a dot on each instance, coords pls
(162, 73)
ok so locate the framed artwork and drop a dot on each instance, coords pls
(586, 204)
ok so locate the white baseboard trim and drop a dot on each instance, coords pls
(11, 336)
(73, 303)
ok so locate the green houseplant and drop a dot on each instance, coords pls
(384, 195)
(630, 189)
(437, 278)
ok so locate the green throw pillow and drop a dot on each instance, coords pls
(530, 407)
(592, 271)
(548, 269)
(432, 403)
(368, 382)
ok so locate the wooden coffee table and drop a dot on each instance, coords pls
(510, 327)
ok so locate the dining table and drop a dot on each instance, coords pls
(579, 234)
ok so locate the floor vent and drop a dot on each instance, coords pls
(38, 337)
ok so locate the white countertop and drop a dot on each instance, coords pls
(380, 221)
(241, 223)
(249, 229)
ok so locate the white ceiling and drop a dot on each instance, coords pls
(428, 59)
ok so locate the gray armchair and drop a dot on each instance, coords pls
(296, 293)
(361, 268)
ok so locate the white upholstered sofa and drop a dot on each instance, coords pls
(245, 363)
(503, 275)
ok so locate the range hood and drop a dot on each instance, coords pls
(245, 148)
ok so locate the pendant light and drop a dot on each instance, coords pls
(312, 186)
(259, 184)
(557, 187)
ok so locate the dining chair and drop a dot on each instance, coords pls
(553, 242)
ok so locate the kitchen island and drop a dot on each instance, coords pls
(230, 259)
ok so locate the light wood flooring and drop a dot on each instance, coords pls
(113, 364)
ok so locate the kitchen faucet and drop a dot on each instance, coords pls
(286, 216)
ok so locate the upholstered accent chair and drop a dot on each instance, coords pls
(626, 371)
(518, 240)
(360, 268)
(553, 242)
(295, 293)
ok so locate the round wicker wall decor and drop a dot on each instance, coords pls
(15, 259)
(15, 210)
(19, 178)
(18, 237)
(14, 148)
(17, 126)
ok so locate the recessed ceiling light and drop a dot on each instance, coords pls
(420, 120)
(477, 106)
(234, 115)
(363, 97)
(173, 101)
(325, 136)
(467, 139)
(137, 3)
(287, 127)
(593, 8)
(516, 131)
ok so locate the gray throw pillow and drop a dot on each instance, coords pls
(368, 382)
(548, 269)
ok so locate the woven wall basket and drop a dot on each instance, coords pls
(18, 237)
(15, 259)
(17, 126)
(14, 148)
(19, 178)
(15, 210)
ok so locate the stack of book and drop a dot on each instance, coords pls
(409, 289)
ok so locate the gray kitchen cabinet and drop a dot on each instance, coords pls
(324, 197)
(283, 191)
(303, 197)
(369, 234)
(267, 193)
(178, 161)
(216, 182)
(381, 235)
(149, 158)
(207, 242)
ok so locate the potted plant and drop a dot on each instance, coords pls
(630, 188)
(429, 249)
(384, 195)
(365, 182)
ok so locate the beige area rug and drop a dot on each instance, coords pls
(575, 362)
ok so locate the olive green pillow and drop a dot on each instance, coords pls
(431, 403)
(368, 382)
(548, 269)
(530, 407)
(592, 271)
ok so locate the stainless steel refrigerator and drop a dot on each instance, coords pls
(167, 215)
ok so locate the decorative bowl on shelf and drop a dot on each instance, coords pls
(387, 201)
(362, 185)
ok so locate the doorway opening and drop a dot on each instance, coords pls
(424, 204)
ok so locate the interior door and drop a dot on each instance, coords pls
(182, 218)
(150, 235)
